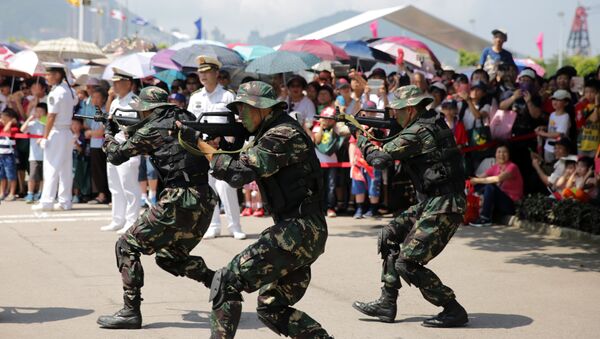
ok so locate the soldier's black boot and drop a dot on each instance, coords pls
(383, 308)
(453, 315)
(129, 317)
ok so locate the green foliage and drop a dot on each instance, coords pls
(565, 213)
(162, 45)
(467, 58)
(583, 65)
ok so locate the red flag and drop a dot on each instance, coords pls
(540, 44)
(400, 57)
(374, 26)
(117, 14)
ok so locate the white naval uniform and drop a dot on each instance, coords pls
(123, 179)
(201, 101)
(58, 149)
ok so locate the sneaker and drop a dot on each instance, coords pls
(60, 207)
(75, 199)
(481, 222)
(239, 235)
(246, 212)
(37, 196)
(212, 233)
(369, 214)
(41, 207)
(153, 201)
(110, 227)
(10, 198)
(331, 213)
(29, 198)
(259, 213)
(358, 214)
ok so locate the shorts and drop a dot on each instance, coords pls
(8, 167)
(147, 171)
(36, 170)
(373, 185)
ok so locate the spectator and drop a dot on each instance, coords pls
(325, 98)
(563, 81)
(178, 99)
(8, 166)
(558, 124)
(502, 187)
(365, 180)
(81, 162)
(492, 56)
(325, 78)
(438, 92)
(98, 164)
(4, 94)
(477, 109)
(379, 96)
(581, 185)
(148, 180)
(569, 165)
(449, 109)
(328, 142)
(344, 100)
(588, 119)
(34, 125)
(300, 104)
(192, 84)
(420, 81)
(224, 79)
(178, 86)
(562, 149)
(252, 201)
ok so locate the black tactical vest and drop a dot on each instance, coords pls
(438, 169)
(296, 190)
(176, 167)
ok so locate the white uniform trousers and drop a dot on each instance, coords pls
(125, 191)
(229, 199)
(58, 168)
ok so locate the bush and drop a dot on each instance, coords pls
(565, 213)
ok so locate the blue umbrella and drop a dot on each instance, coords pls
(168, 76)
(186, 57)
(252, 52)
(282, 62)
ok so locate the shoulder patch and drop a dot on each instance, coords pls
(51, 100)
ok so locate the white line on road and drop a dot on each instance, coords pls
(55, 215)
(48, 220)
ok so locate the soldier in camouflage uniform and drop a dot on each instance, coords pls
(173, 227)
(283, 163)
(428, 152)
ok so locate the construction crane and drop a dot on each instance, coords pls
(579, 37)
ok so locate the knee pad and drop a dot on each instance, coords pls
(408, 270)
(225, 287)
(383, 241)
(276, 318)
(122, 251)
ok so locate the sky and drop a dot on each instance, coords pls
(523, 19)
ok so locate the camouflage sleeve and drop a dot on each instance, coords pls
(375, 156)
(142, 142)
(404, 146)
(278, 148)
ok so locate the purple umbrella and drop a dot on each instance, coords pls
(162, 59)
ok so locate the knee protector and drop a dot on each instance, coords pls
(123, 251)
(225, 287)
(383, 241)
(276, 318)
(408, 270)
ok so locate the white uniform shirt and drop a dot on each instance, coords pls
(122, 103)
(202, 101)
(61, 101)
(305, 111)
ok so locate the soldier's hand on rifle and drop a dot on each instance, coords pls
(111, 127)
(188, 134)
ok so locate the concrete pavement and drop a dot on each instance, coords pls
(59, 274)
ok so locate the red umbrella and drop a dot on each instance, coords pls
(391, 44)
(321, 48)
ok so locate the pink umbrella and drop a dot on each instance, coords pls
(162, 59)
(321, 48)
(522, 63)
(410, 47)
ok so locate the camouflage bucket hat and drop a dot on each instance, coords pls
(407, 96)
(150, 98)
(256, 94)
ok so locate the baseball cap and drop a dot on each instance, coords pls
(342, 83)
(438, 85)
(297, 78)
(527, 73)
(501, 31)
(177, 97)
(561, 94)
(92, 82)
(479, 84)
(206, 62)
(328, 112)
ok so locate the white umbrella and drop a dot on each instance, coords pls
(137, 64)
(91, 70)
(67, 48)
(26, 61)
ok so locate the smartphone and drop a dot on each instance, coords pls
(375, 83)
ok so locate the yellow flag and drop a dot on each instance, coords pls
(75, 3)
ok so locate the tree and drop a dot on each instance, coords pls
(467, 58)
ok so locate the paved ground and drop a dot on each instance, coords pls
(58, 275)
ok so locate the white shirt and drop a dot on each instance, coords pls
(559, 169)
(61, 101)
(36, 153)
(305, 110)
(469, 119)
(122, 103)
(201, 101)
(556, 124)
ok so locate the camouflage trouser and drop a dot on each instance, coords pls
(171, 229)
(279, 265)
(409, 242)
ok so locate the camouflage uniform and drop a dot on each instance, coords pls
(285, 167)
(428, 152)
(176, 224)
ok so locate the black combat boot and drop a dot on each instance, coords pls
(129, 317)
(383, 308)
(453, 315)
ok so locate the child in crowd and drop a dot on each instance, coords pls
(587, 119)
(449, 109)
(8, 166)
(558, 124)
(581, 185)
(81, 162)
(561, 183)
(365, 179)
(34, 125)
(252, 201)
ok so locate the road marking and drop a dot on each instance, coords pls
(55, 215)
(49, 220)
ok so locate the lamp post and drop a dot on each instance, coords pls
(561, 15)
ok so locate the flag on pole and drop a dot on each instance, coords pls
(139, 21)
(198, 24)
(75, 3)
(374, 26)
(540, 44)
(117, 15)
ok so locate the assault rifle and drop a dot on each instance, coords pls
(383, 122)
(210, 130)
(102, 117)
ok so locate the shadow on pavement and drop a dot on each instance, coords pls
(29, 315)
(200, 319)
(536, 249)
(487, 320)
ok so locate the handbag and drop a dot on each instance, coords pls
(502, 123)
(330, 143)
(480, 135)
(473, 201)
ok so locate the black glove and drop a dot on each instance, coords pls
(352, 128)
(189, 135)
(112, 128)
